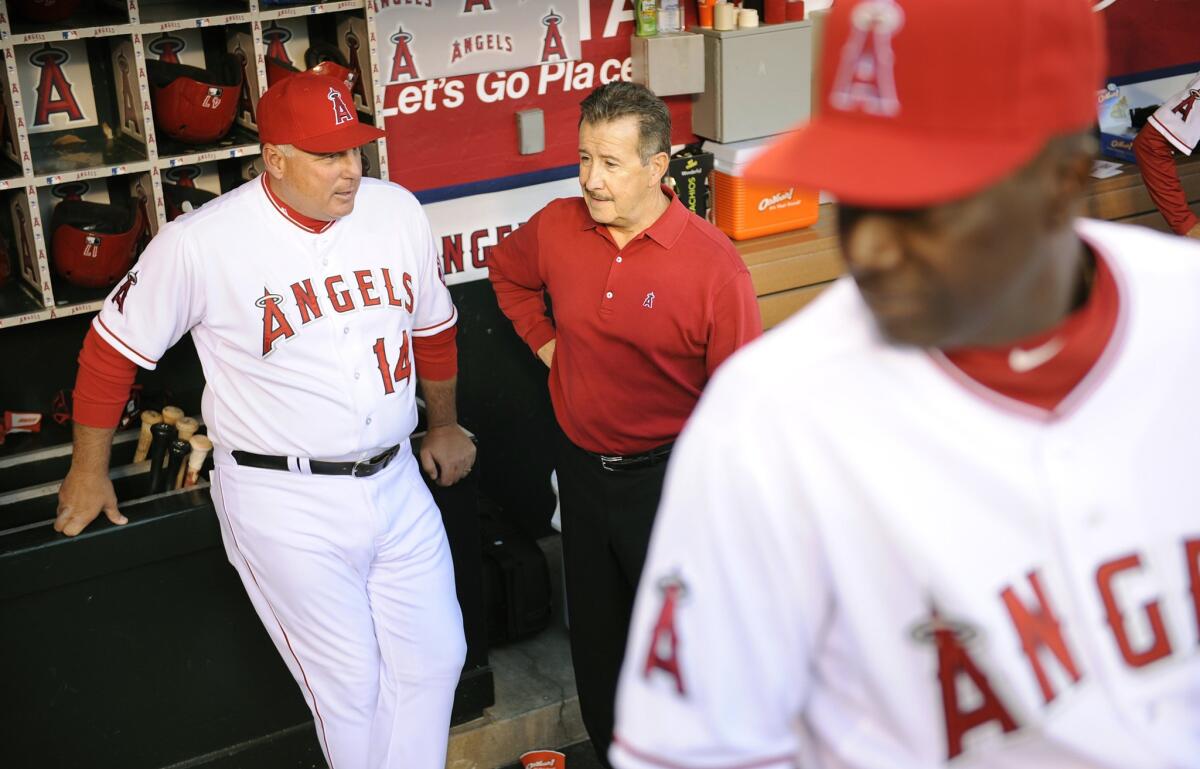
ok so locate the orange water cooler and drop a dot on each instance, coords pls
(745, 209)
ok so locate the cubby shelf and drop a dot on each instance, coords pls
(293, 11)
(84, 174)
(240, 151)
(80, 33)
(37, 164)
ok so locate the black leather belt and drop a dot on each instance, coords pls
(361, 469)
(655, 456)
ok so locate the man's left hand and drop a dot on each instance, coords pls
(447, 454)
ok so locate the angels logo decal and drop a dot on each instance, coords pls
(553, 46)
(403, 63)
(55, 93)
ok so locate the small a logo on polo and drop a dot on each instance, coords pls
(649, 300)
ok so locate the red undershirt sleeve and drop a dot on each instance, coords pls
(102, 384)
(736, 320)
(436, 357)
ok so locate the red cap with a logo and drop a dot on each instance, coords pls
(314, 113)
(927, 101)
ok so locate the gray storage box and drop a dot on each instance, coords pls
(757, 81)
(669, 65)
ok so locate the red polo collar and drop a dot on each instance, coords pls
(666, 229)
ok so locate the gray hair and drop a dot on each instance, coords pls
(619, 99)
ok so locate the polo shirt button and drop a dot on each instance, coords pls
(608, 295)
(368, 420)
(618, 260)
(346, 330)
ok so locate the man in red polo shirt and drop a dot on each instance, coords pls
(648, 299)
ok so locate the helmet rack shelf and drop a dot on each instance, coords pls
(77, 121)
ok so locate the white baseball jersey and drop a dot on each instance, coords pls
(305, 338)
(859, 562)
(1178, 119)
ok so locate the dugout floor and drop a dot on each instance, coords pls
(536, 705)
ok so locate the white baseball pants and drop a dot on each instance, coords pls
(353, 580)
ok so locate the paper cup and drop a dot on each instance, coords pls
(544, 759)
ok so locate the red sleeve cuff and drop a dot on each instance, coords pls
(540, 334)
(436, 357)
(102, 384)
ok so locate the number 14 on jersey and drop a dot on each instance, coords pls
(403, 369)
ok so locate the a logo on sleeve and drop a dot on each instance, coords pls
(122, 292)
(663, 656)
(1184, 108)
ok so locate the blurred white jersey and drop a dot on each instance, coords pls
(1178, 119)
(860, 563)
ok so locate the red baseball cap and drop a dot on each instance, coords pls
(927, 101)
(313, 112)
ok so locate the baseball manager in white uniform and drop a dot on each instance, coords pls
(948, 515)
(314, 298)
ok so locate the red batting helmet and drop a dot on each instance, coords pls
(5, 263)
(44, 10)
(195, 105)
(181, 200)
(322, 58)
(93, 243)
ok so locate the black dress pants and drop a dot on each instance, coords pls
(607, 516)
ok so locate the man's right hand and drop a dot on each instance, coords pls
(81, 497)
(546, 353)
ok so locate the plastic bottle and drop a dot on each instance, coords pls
(670, 16)
(647, 18)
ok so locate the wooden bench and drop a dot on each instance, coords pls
(790, 269)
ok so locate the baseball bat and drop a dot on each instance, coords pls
(187, 427)
(149, 419)
(161, 436)
(201, 445)
(172, 414)
(175, 455)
